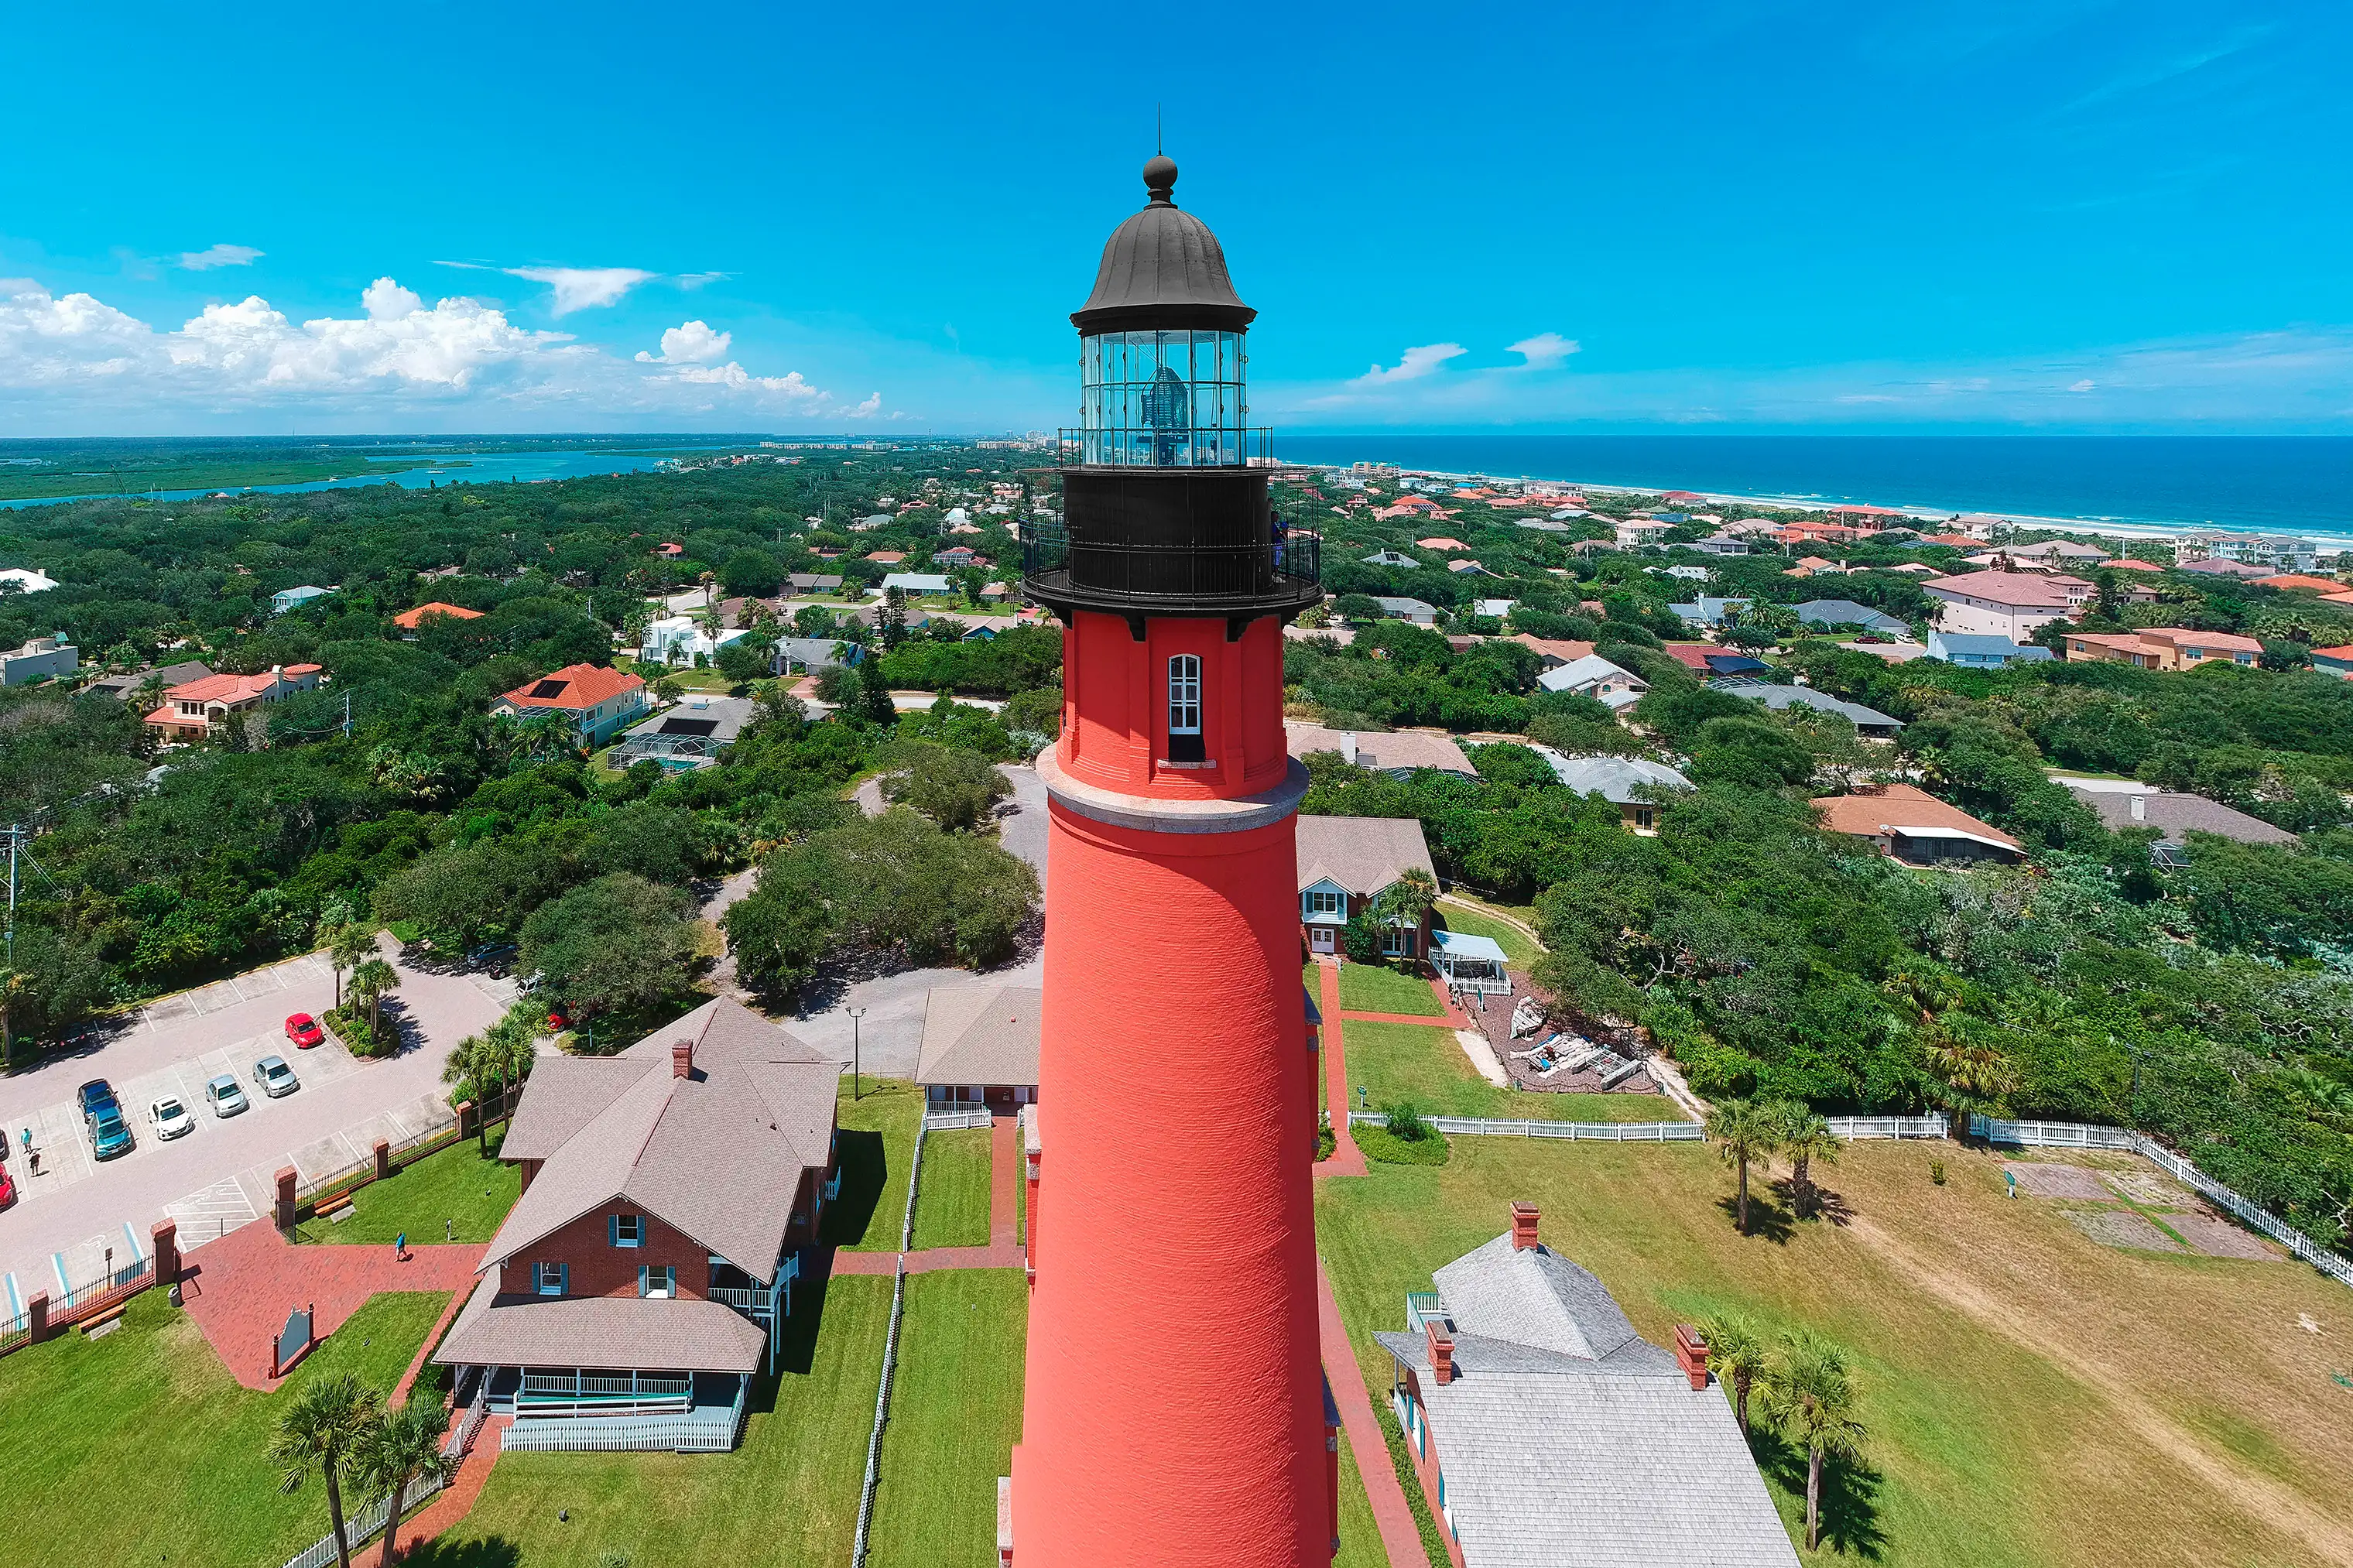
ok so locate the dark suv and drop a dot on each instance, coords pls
(101, 1116)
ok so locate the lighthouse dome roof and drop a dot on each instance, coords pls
(1163, 267)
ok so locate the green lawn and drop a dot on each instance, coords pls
(1360, 1538)
(787, 1496)
(952, 1198)
(140, 1447)
(1370, 988)
(955, 1413)
(2028, 1393)
(452, 1195)
(878, 1150)
(1518, 950)
(1426, 1066)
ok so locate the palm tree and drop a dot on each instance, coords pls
(394, 1455)
(317, 1432)
(1408, 900)
(467, 1064)
(1805, 1137)
(371, 979)
(1977, 1076)
(348, 946)
(501, 1056)
(1809, 1396)
(1743, 1130)
(1736, 1350)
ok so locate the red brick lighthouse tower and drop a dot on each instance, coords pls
(1175, 1411)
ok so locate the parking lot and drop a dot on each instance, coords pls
(221, 1175)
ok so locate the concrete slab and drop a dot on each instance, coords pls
(2039, 1180)
(2215, 1237)
(2122, 1228)
(211, 1212)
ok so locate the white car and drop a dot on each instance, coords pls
(170, 1117)
(275, 1077)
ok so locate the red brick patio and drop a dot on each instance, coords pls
(240, 1288)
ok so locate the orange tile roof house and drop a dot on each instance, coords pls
(671, 1196)
(887, 557)
(2337, 661)
(2296, 581)
(1440, 542)
(202, 708)
(2131, 563)
(2161, 648)
(1908, 823)
(409, 620)
(600, 700)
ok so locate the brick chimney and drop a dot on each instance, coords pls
(1442, 1349)
(1691, 1355)
(1524, 1227)
(681, 1058)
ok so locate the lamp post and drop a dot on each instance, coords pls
(855, 1089)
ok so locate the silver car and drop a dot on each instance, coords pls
(223, 1096)
(170, 1117)
(275, 1077)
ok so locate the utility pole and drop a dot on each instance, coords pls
(855, 1084)
(16, 831)
(347, 713)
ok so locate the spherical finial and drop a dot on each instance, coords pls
(1160, 179)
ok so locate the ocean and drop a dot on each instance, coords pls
(2273, 484)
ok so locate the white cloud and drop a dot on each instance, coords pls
(582, 288)
(219, 256)
(73, 358)
(691, 342)
(1417, 364)
(694, 280)
(1544, 350)
(386, 300)
(2084, 385)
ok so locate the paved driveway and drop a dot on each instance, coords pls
(221, 1175)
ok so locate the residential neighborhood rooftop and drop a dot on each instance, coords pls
(1361, 854)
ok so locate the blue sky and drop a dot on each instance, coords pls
(2047, 216)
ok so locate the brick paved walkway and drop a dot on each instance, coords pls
(449, 1507)
(1400, 1539)
(240, 1288)
(1346, 1159)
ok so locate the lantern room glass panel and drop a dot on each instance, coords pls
(1162, 399)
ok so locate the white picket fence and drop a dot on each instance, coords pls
(2078, 1135)
(365, 1524)
(1898, 1127)
(957, 1120)
(1594, 1131)
(882, 1406)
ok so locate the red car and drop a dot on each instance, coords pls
(303, 1030)
(7, 1188)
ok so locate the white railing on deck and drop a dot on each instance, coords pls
(964, 1118)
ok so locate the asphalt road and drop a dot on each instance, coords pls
(220, 1174)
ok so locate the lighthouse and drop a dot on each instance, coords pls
(1174, 1412)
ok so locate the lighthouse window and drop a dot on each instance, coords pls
(1185, 708)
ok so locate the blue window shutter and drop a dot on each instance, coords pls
(641, 1280)
(613, 1229)
(564, 1278)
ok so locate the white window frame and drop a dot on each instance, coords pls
(1398, 941)
(1316, 902)
(635, 1237)
(1184, 694)
(667, 1273)
(550, 1279)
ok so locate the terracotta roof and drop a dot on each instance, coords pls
(573, 688)
(232, 687)
(887, 557)
(1360, 853)
(1566, 650)
(2131, 563)
(717, 1155)
(409, 620)
(980, 1034)
(1441, 544)
(2295, 580)
(1898, 806)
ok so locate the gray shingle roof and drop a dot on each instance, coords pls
(1558, 1451)
(1615, 779)
(1361, 854)
(980, 1034)
(718, 1156)
(2181, 813)
(616, 1332)
(1777, 698)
